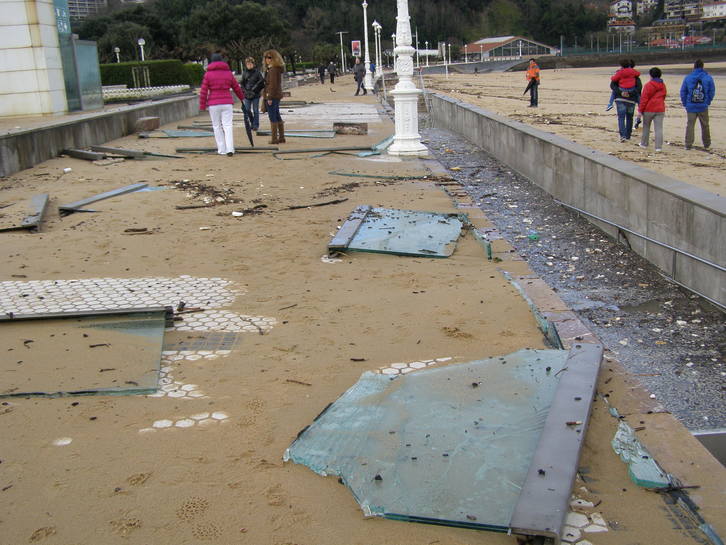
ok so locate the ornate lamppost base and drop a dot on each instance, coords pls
(407, 140)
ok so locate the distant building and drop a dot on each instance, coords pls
(507, 46)
(644, 6)
(690, 10)
(713, 11)
(622, 25)
(621, 9)
(80, 9)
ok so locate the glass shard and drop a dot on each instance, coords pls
(400, 232)
(449, 445)
(109, 354)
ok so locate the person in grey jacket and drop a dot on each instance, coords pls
(332, 71)
(359, 74)
(252, 82)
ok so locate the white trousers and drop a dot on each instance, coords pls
(221, 115)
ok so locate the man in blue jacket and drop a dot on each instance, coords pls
(697, 92)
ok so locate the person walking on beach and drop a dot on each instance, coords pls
(697, 92)
(274, 66)
(321, 73)
(652, 108)
(214, 94)
(252, 82)
(359, 74)
(532, 76)
(624, 84)
(332, 71)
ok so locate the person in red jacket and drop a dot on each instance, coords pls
(652, 108)
(215, 95)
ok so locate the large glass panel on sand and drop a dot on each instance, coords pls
(449, 445)
(110, 354)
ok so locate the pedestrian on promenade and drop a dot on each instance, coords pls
(214, 94)
(532, 76)
(252, 82)
(321, 73)
(332, 71)
(624, 84)
(359, 74)
(274, 66)
(697, 92)
(652, 108)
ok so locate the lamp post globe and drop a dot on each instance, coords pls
(117, 50)
(141, 43)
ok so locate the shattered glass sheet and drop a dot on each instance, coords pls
(642, 468)
(401, 232)
(448, 446)
(109, 354)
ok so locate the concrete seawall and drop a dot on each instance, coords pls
(23, 149)
(682, 228)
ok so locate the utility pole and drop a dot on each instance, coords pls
(342, 55)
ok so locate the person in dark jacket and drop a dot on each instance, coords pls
(321, 73)
(274, 67)
(214, 94)
(252, 82)
(359, 74)
(332, 71)
(697, 92)
(652, 108)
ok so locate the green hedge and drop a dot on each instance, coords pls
(195, 73)
(167, 72)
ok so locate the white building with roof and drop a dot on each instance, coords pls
(506, 47)
(713, 11)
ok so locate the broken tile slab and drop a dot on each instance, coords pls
(570, 534)
(594, 528)
(147, 124)
(577, 520)
(399, 232)
(413, 450)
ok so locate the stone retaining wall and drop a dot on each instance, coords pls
(23, 149)
(649, 203)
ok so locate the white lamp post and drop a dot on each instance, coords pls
(466, 51)
(368, 79)
(342, 55)
(141, 43)
(449, 53)
(427, 54)
(407, 140)
(481, 52)
(377, 35)
(395, 62)
(117, 50)
(446, 66)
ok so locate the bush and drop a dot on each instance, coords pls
(195, 73)
(166, 72)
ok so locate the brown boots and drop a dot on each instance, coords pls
(277, 130)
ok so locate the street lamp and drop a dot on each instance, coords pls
(141, 43)
(406, 140)
(481, 52)
(377, 35)
(368, 79)
(466, 51)
(117, 50)
(449, 53)
(342, 55)
(427, 54)
(446, 66)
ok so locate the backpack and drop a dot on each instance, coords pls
(698, 96)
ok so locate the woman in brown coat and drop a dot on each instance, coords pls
(274, 66)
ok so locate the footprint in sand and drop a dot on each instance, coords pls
(191, 508)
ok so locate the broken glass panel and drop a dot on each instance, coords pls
(449, 445)
(108, 354)
(400, 232)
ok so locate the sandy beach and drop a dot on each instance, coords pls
(572, 104)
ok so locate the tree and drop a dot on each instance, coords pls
(124, 35)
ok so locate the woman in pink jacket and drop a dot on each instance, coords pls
(217, 82)
(652, 108)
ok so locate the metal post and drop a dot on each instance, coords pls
(481, 52)
(446, 66)
(368, 79)
(342, 54)
(562, 45)
(427, 52)
(466, 56)
(418, 57)
(407, 140)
